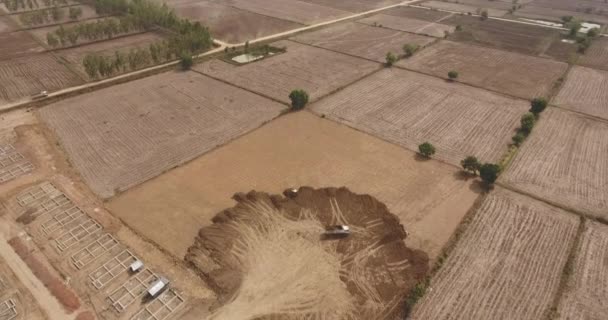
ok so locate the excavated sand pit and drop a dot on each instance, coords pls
(267, 258)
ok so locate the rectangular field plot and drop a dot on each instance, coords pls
(17, 44)
(124, 135)
(511, 73)
(408, 109)
(161, 308)
(564, 161)
(64, 220)
(362, 40)
(52, 207)
(131, 290)
(586, 293)
(465, 8)
(94, 250)
(597, 54)
(15, 170)
(408, 24)
(585, 90)
(506, 265)
(36, 194)
(8, 310)
(354, 5)
(80, 233)
(318, 71)
(291, 10)
(112, 269)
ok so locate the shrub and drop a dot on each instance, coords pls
(391, 58)
(484, 14)
(537, 105)
(527, 122)
(410, 49)
(452, 75)
(489, 172)
(299, 99)
(426, 149)
(186, 60)
(518, 138)
(458, 28)
(470, 164)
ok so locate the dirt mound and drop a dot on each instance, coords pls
(266, 257)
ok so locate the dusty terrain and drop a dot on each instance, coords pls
(17, 44)
(586, 289)
(464, 8)
(299, 149)
(409, 108)
(506, 265)
(597, 55)
(121, 136)
(511, 73)
(362, 40)
(318, 71)
(354, 5)
(564, 161)
(88, 12)
(267, 257)
(290, 10)
(412, 25)
(14, 293)
(585, 91)
(592, 11)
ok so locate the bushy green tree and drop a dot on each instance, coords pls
(527, 122)
(409, 49)
(52, 40)
(74, 13)
(489, 172)
(186, 61)
(518, 138)
(426, 149)
(391, 58)
(299, 99)
(453, 75)
(470, 164)
(537, 105)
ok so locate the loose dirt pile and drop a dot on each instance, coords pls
(266, 257)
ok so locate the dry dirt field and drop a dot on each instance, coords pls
(464, 8)
(408, 109)
(23, 77)
(354, 5)
(507, 264)
(269, 258)
(585, 91)
(231, 24)
(299, 149)
(362, 40)
(586, 291)
(291, 10)
(121, 136)
(318, 71)
(506, 72)
(408, 25)
(564, 161)
(12, 290)
(551, 12)
(597, 55)
(17, 44)
(6, 24)
(419, 13)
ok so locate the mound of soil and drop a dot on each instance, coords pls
(376, 268)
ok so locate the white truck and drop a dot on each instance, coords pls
(337, 230)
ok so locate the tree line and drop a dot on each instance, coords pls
(91, 31)
(16, 5)
(52, 14)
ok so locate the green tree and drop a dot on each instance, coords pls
(74, 13)
(458, 28)
(574, 26)
(56, 13)
(299, 99)
(453, 75)
(185, 60)
(426, 149)
(518, 138)
(72, 36)
(90, 65)
(52, 40)
(594, 32)
(489, 172)
(391, 58)
(527, 122)
(484, 14)
(410, 49)
(470, 164)
(537, 105)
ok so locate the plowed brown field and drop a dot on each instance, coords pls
(586, 290)
(463, 8)
(564, 161)
(354, 5)
(291, 10)
(409, 25)
(362, 40)
(507, 264)
(17, 44)
(597, 55)
(585, 91)
(121, 136)
(511, 73)
(318, 71)
(408, 109)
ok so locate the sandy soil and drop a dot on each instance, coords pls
(507, 264)
(408, 24)
(121, 136)
(409, 108)
(585, 91)
(511, 73)
(267, 257)
(299, 149)
(318, 71)
(362, 40)
(564, 161)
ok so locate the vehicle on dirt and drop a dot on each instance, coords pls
(337, 230)
(40, 95)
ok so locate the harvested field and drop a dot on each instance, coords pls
(585, 91)
(511, 73)
(17, 44)
(270, 258)
(291, 10)
(409, 25)
(121, 136)
(231, 24)
(564, 161)
(299, 149)
(408, 109)
(354, 5)
(6, 24)
(506, 265)
(425, 14)
(586, 290)
(464, 8)
(361, 40)
(318, 71)
(597, 55)
(552, 13)
(23, 77)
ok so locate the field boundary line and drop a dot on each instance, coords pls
(582, 114)
(393, 29)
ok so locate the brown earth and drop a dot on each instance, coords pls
(297, 149)
(423, 27)
(290, 10)
(564, 161)
(585, 91)
(267, 257)
(408, 109)
(362, 40)
(417, 13)
(318, 71)
(464, 8)
(511, 73)
(354, 5)
(17, 44)
(88, 12)
(506, 265)
(597, 55)
(591, 11)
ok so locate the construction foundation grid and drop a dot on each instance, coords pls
(81, 232)
(111, 269)
(8, 310)
(161, 308)
(132, 289)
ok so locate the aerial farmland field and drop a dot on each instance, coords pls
(17, 44)
(506, 265)
(318, 71)
(412, 25)
(511, 73)
(121, 136)
(585, 91)
(585, 291)
(564, 161)
(362, 40)
(290, 10)
(409, 108)
(597, 55)
(88, 12)
(464, 8)
(300, 149)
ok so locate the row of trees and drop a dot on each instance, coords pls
(16, 5)
(91, 31)
(408, 50)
